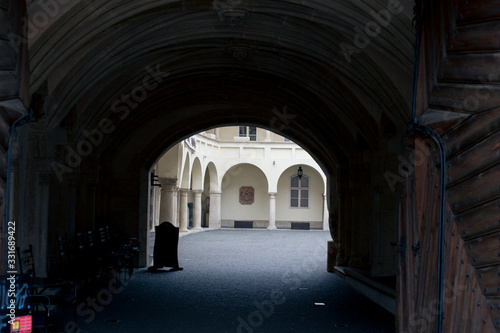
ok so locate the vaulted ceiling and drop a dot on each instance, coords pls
(332, 75)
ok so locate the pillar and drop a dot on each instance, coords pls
(40, 246)
(168, 202)
(215, 210)
(272, 211)
(176, 207)
(356, 229)
(183, 211)
(197, 210)
(268, 136)
(343, 236)
(157, 198)
(325, 213)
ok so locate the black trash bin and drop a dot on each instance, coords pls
(165, 250)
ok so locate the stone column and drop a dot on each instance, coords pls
(268, 136)
(72, 200)
(325, 213)
(40, 246)
(183, 211)
(176, 207)
(343, 238)
(168, 204)
(272, 211)
(197, 210)
(214, 214)
(356, 229)
(156, 217)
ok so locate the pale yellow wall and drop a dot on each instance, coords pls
(168, 163)
(276, 138)
(316, 189)
(234, 179)
(210, 131)
(228, 133)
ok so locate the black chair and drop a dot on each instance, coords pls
(117, 255)
(27, 267)
(40, 312)
(71, 268)
(129, 250)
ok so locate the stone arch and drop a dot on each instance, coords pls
(212, 172)
(196, 175)
(211, 198)
(316, 212)
(253, 208)
(185, 176)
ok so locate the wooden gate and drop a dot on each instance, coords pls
(460, 99)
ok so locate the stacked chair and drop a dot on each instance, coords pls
(61, 292)
(94, 261)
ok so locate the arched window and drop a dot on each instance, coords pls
(299, 192)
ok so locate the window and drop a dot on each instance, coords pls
(248, 131)
(299, 192)
(286, 139)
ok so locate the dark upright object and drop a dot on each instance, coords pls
(165, 250)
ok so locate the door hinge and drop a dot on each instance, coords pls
(416, 249)
(402, 248)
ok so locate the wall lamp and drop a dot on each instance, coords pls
(154, 179)
(300, 172)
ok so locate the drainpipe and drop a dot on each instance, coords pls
(416, 127)
(18, 123)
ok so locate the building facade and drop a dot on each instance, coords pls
(240, 173)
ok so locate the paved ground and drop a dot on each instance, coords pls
(239, 281)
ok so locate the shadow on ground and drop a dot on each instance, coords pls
(239, 281)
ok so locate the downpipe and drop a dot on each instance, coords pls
(414, 126)
(428, 132)
(18, 123)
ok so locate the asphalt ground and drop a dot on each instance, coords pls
(241, 281)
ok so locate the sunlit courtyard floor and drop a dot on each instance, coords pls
(238, 281)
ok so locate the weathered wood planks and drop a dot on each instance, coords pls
(476, 10)
(476, 37)
(481, 156)
(472, 131)
(483, 219)
(462, 50)
(475, 191)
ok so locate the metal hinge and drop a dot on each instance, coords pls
(416, 249)
(402, 248)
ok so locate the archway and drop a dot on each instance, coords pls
(111, 94)
(313, 209)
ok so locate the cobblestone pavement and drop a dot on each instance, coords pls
(239, 281)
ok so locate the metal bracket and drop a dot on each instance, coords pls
(153, 179)
(416, 249)
(402, 248)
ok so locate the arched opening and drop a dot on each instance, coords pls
(306, 199)
(242, 175)
(91, 95)
(244, 196)
(109, 99)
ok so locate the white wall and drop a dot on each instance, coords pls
(316, 188)
(233, 180)
(237, 164)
